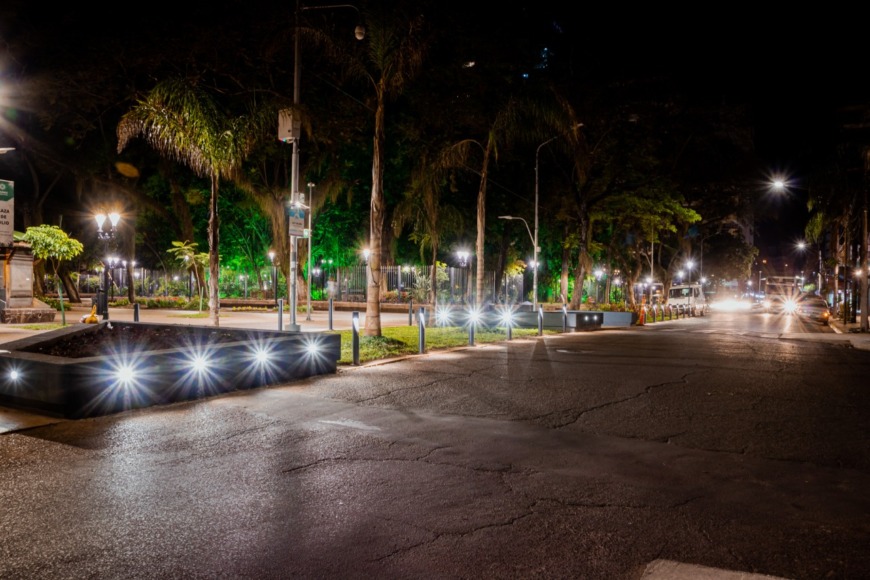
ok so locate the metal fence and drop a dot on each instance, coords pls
(404, 283)
(400, 284)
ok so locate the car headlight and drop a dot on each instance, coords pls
(790, 306)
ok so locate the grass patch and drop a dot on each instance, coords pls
(404, 340)
(194, 315)
(46, 326)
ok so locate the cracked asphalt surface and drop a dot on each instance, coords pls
(587, 455)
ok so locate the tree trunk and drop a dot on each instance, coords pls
(213, 255)
(584, 261)
(69, 287)
(566, 268)
(373, 294)
(481, 223)
(433, 281)
(865, 304)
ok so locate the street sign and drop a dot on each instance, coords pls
(7, 212)
(296, 221)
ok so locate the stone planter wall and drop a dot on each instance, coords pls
(100, 385)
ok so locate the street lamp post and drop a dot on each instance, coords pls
(274, 276)
(294, 135)
(689, 265)
(310, 241)
(463, 261)
(112, 261)
(105, 235)
(534, 239)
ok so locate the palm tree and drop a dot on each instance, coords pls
(183, 122)
(429, 217)
(395, 50)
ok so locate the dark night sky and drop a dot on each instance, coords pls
(795, 68)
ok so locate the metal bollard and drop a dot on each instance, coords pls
(509, 328)
(280, 314)
(411, 313)
(421, 325)
(471, 325)
(540, 320)
(136, 312)
(330, 313)
(564, 318)
(355, 340)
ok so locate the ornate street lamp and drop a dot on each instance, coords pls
(106, 235)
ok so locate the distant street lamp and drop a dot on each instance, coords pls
(463, 261)
(534, 239)
(274, 276)
(107, 235)
(318, 272)
(310, 243)
(689, 266)
(113, 261)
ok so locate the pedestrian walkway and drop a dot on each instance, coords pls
(852, 330)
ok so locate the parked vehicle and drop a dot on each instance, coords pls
(813, 308)
(690, 296)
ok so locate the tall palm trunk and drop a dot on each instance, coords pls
(213, 244)
(373, 295)
(433, 284)
(481, 222)
(584, 260)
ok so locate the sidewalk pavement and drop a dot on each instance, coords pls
(852, 331)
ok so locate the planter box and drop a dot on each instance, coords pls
(618, 319)
(132, 378)
(577, 320)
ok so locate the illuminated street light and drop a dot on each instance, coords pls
(274, 276)
(107, 235)
(534, 239)
(463, 256)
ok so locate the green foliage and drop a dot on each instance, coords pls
(53, 302)
(337, 233)
(176, 302)
(422, 288)
(52, 244)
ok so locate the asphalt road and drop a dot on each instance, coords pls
(715, 441)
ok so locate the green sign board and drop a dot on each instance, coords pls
(7, 212)
(7, 190)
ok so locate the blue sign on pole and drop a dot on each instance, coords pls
(296, 221)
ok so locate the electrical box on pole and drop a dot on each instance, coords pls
(289, 126)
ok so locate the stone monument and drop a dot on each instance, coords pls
(17, 304)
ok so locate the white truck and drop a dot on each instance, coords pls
(690, 297)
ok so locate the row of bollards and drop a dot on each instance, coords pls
(421, 325)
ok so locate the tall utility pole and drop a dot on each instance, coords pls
(295, 132)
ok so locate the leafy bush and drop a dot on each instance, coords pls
(53, 302)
